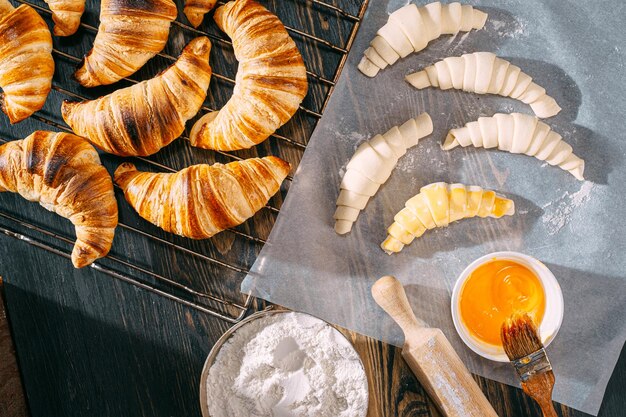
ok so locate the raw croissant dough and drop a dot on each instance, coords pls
(485, 73)
(518, 133)
(410, 28)
(26, 64)
(141, 119)
(371, 166)
(440, 204)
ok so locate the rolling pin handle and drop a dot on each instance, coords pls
(389, 294)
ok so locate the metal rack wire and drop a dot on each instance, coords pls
(116, 267)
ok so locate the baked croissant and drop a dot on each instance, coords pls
(63, 173)
(410, 29)
(196, 9)
(371, 166)
(438, 205)
(202, 200)
(485, 73)
(518, 133)
(141, 119)
(271, 80)
(26, 64)
(66, 15)
(130, 33)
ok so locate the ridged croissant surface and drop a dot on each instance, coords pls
(410, 29)
(141, 119)
(485, 73)
(66, 15)
(270, 84)
(196, 9)
(26, 64)
(130, 33)
(518, 133)
(63, 173)
(371, 166)
(438, 205)
(202, 200)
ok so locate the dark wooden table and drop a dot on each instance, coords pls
(92, 345)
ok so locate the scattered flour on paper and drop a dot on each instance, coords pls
(558, 213)
(505, 29)
(287, 365)
(356, 138)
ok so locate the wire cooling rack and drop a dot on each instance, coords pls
(204, 275)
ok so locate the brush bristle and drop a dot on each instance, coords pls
(520, 336)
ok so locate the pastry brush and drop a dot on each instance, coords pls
(523, 346)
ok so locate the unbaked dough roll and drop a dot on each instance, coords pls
(518, 133)
(485, 73)
(410, 29)
(438, 205)
(371, 166)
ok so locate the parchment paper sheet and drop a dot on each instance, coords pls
(575, 49)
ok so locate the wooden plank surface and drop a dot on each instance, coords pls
(91, 345)
(12, 398)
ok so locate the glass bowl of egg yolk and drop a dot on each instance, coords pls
(494, 287)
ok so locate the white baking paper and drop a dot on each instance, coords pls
(575, 50)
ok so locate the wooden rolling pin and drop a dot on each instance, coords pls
(431, 357)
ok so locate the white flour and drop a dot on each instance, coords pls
(287, 365)
(558, 213)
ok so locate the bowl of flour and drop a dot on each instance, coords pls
(278, 363)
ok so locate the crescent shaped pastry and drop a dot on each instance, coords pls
(485, 73)
(202, 200)
(438, 205)
(130, 33)
(371, 166)
(410, 29)
(518, 133)
(26, 64)
(62, 172)
(141, 119)
(271, 80)
(66, 15)
(196, 9)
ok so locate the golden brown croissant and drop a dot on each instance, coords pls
(26, 64)
(271, 80)
(202, 200)
(63, 173)
(141, 119)
(66, 15)
(130, 33)
(196, 9)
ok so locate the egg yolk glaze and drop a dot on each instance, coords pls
(493, 292)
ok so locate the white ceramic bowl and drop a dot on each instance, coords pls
(552, 318)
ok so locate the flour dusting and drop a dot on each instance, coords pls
(506, 29)
(560, 211)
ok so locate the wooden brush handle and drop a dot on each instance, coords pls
(431, 357)
(539, 387)
(389, 294)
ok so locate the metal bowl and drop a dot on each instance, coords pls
(210, 360)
